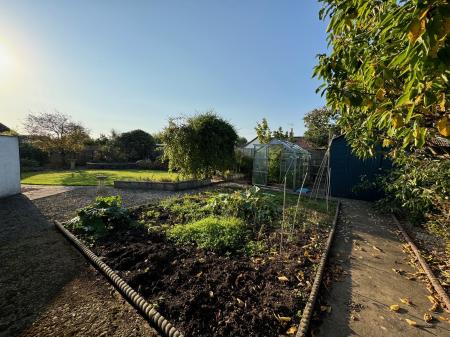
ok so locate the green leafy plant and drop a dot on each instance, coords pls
(251, 205)
(103, 215)
(215, 233)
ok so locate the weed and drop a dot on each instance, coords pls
(215, 233)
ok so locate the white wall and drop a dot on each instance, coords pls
(9, 166)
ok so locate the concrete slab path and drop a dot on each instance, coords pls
(368, 250)
(33, 192)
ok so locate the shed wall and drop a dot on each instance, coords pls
(347, 171)
(9, 166)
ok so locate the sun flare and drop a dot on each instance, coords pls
(6, 63)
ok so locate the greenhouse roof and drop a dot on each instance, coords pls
(288, 146)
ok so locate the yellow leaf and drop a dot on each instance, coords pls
(397, 121)
(292, 330)
(431, 299)
(284, 319)
(427, 317)
(442, 102)
(386, 142)
(394, 307)
(406, 301)
(380, 94)
(410, 322)
(416, 29)
(443, 126)
(283, 278)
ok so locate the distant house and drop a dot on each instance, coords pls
(4, 128)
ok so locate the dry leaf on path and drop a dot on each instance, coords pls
(410, 322)
(394, 307)
(427, 317)
(283, 278)
(406, 301)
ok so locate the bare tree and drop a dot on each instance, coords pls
(56, 132)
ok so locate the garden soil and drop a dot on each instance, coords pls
(204, 294)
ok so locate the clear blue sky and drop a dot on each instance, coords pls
(132, 64)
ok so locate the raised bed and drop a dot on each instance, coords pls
(164, 186)
(207, 293)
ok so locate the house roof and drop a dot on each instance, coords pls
(4, 128)
(303, 143)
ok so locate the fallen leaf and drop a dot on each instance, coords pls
(394, 307)
(432, 299)
(292, 330)
(240, 302)
(406, 301)
(199, 274)
(376, 248)
(354, 318)
(445, 319)
(427, 317)
(326, 308)
(283, 278)
(434, 307)
(410, 322)
(284, 319)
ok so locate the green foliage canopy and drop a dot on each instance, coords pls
(136, 144)
(388, 71)
(320, 124)
(199, 146)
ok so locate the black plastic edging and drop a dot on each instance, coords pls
(433, 280)
(309, 307)
(146, 309)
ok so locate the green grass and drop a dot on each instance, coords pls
(88, 177)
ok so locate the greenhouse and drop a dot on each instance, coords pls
(277, 161)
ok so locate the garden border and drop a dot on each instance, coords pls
(164, 186)
(433, 280)
(136, 300)
(309, 307)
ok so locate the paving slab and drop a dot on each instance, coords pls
(34, 192)
(368, 249)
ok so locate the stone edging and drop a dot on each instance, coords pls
(163, 186)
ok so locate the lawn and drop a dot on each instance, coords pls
(88, 177)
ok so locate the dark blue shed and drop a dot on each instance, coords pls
(348, 171)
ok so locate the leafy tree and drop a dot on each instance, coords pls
(388, 71)
(320, 123)
(199, 146)
(56, 132)
(136, 144)
(263, 132)
(241, 141)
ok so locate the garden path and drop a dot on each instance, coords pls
(48, 289)
(368, 249)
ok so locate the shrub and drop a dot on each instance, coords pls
(421, 186)
(215, 233)
(103, 215)
(244, 164)
(199, 146)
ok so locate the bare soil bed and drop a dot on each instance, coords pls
(207, 293)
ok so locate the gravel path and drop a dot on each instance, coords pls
(46, 286)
